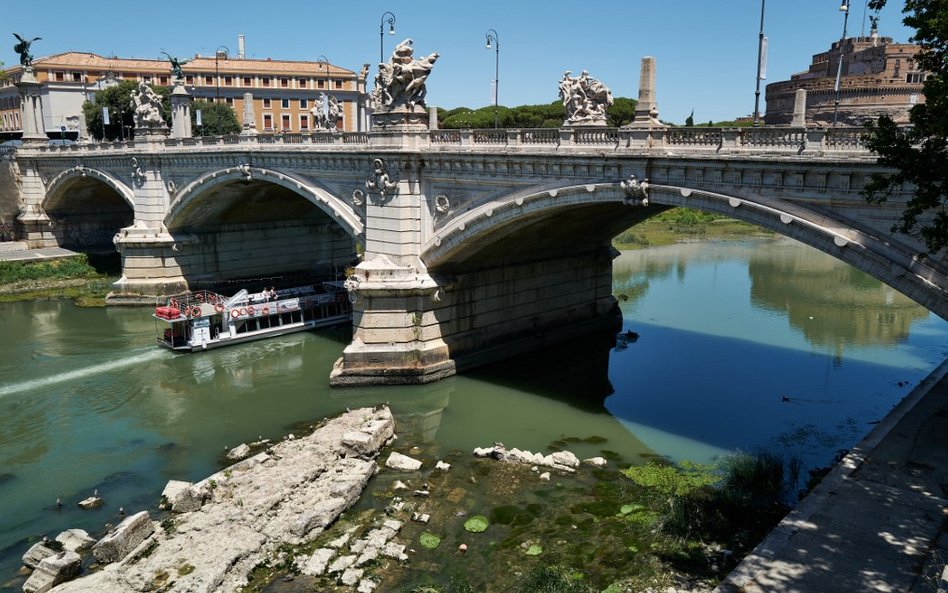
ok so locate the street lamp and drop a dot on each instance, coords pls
(843, 8)
(761, 65)
(217, 77)
(492, 37)
(391, 31)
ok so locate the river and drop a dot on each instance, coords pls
(742, 345)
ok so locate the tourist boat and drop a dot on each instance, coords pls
(203, 319)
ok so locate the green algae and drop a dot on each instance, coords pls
(476, 524)
(429, 540)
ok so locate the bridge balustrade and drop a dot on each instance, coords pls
(596, 136)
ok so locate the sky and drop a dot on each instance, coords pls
(705, 50)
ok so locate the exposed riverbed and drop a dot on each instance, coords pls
(742, 345)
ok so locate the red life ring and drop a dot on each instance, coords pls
(195, 311)
(243, 312)
(234, 313)
(250, 310)
(265, 310)
(218, 307)
(212, 298)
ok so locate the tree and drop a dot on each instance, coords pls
(918, 154)
(216, 119)
(690, 120)
(118, 99)
(3, 73)
(621, 112)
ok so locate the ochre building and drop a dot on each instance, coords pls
(879, 77)
(284, 92)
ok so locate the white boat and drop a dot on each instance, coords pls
(203, 320)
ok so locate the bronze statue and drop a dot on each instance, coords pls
(23, 48)
(176, 65)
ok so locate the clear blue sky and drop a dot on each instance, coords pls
(706, 50)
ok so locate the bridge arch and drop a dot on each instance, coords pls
(87, 207)
(180, 211)
(248, 225)
(606, 210)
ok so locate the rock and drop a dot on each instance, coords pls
(399, 485)
(545, 476)
(52, 571)
(394, 550)
(342, 563)
(402, 462)
(370, 554)
(422, 493)
(316, 564)
(351, 576)
(370, 437)
(239, 452)
(342, 539)
(318, 515)
(75, 540)
(420, 517)
(394, 524)
(185, 497)
(36, 554)
(93, 502)
(565, 458)
(125, 537)
(595, 461)
(462, 548)
(366, 586)
(442, 466)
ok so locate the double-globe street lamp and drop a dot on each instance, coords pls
(843, 8)
(391, 31)
(492, 37)
(761, 65)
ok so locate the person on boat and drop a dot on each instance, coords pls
(273, 293)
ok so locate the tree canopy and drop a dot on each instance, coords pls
(919, 153)
(216, 119)
(550, 115)
(118, 99)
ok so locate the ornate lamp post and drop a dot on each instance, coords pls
(760, 65)
(217, 78)
(391, 31)
(843, 8)
(492, 37)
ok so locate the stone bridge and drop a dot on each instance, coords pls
(462, 246)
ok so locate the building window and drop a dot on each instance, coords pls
(228, 81)
(320, 84)
(147, 78)
(285, 122)
(60, 76)
(77, 76)
(163, 80)
(338, 84)
(266, 81)
(189, 79)
(208, 80)
(285, 83)
(230, 101)
(915, 77)
(304, 122)
(248, 81)
(268, 122)
(302, 83)
(285, 103)
(266, 104)
(304, 103)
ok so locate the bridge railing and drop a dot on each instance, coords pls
(653, 141)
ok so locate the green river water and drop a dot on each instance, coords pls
(742, 346)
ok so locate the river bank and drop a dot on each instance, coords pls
(83, 278)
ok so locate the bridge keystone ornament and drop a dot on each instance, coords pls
(381, 183)
(636, 191)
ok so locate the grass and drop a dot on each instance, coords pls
(684, 224)
(86, 279)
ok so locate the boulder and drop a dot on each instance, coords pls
(370, 437)
(123, 538)
(93, 502)
(52, 571)
(75, 540)
(443, 466)
(239, 452)
(316, 565)
(595, 461)
(402, 462)
(351, 576)
(172, 491)
(184, 497)
(37, 553)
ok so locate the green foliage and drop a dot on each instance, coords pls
(217, 119)
(690, 120)
(918, 154)
(476, 524)
(621, 112)
(672, 480)
(118, 99)
(429, 540)
(553, 579)
(73, 267)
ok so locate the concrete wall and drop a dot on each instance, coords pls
(9, 198)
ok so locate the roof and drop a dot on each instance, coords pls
(196, 65)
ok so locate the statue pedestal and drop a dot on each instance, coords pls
(400, 119)
(151, 134)
(31, 116)
(180, 111)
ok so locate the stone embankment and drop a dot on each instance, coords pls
(239, 517)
